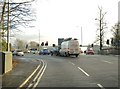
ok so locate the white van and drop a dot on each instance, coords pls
(70, 47)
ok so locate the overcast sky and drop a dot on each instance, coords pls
(65, 18)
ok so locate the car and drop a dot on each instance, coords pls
(28, 51)
(54, 51)
(44, 52)
(89, 51)
(18, 53)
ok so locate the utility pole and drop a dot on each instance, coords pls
(39, 41)
(8, 28)
(119, 26)
(81, 35)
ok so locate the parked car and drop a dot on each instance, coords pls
(89, 51)
(44, 52)
(18, 53)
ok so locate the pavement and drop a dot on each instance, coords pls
(20, 72)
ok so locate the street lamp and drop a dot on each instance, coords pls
(39, 41)
(8, 28)
(81, 35)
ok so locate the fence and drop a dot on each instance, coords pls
(107, 51)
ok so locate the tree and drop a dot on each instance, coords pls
(20, 13)
(2, 12)
(3, 45)
(102, 27)
(14, 14)
(33, 44)
(116, 35)
(20, 44)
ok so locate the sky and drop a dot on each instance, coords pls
(65, 18)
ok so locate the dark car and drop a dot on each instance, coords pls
(54, 51)
(44, 52)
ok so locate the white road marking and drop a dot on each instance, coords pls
(100, 86)
(38, 73)
(39, 77)
(108, 62)
(30, 85)
(83, 71)
(23, 58)
(72, 63)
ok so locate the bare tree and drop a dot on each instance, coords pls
(116, 35)
(20, 44)
(19, 13)
(102, 26)
(2, 12)
(33, 44)
(15, 14)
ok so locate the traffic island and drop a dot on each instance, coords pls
(5, 62)
(21, 71)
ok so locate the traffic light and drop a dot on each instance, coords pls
(46, 44)
(107, 42)
(42, 44)
(53, 45)
(92, 45)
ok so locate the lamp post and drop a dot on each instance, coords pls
(81, 36)
(8, 28)
(39, 41)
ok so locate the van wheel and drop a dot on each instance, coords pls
(76, 55)
(66, 54)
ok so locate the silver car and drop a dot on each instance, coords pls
(18, 53)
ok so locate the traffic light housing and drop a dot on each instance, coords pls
(46, 44)
(107, 42)
(42, 44)
(53, 45)
(92, 45)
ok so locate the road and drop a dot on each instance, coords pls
(85, 71)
